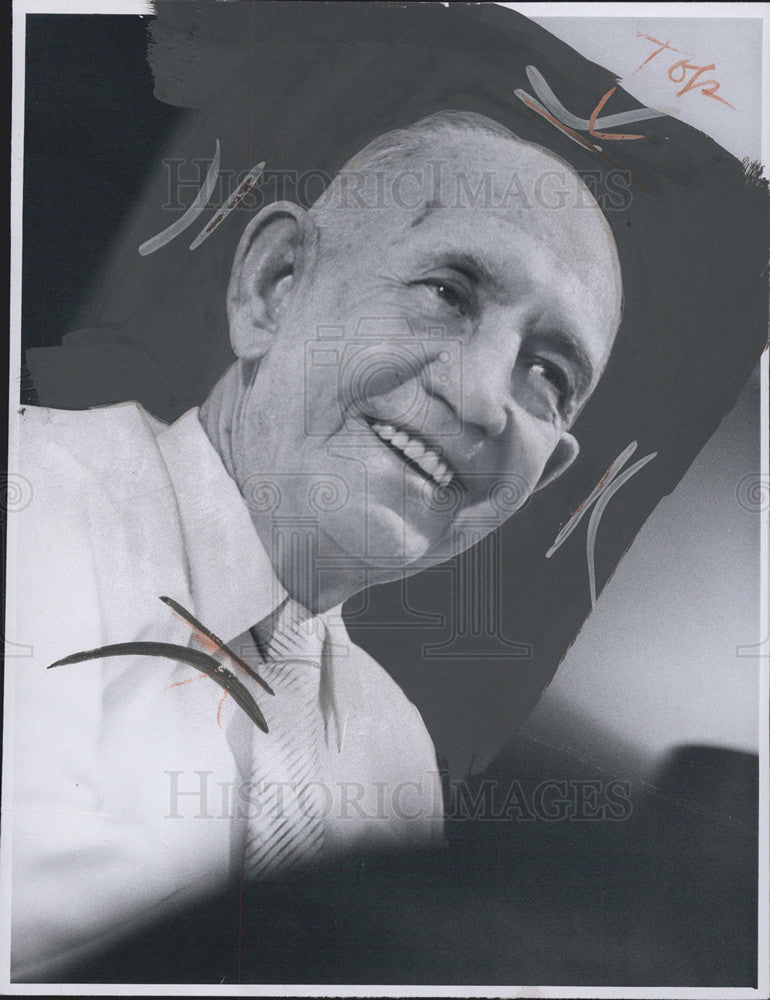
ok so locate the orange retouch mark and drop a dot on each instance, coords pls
(580, 140)
(211, 643)
(210, 647)
(595, 115)
(206, 636)
(555, 121)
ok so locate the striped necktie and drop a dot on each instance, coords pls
(288, 830)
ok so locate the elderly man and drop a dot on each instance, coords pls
(426, 332)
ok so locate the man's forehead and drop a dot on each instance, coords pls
(468, 169)
(454, 167)
(471, 181)
(507, 205)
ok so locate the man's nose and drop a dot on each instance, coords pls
(478, 384)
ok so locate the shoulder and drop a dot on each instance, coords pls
(100, 529)
(77, 461)
(108, 436)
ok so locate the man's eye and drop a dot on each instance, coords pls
(555, 378)
(448, 292)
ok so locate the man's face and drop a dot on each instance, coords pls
(428, 360)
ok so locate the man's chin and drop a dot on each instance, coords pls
(394, 547)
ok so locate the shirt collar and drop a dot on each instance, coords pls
(232, 580)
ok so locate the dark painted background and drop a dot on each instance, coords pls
(303, 86)
(668, 897)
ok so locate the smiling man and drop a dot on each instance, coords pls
(434, 323)
(424, 335)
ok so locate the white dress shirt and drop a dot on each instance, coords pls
(129, 792)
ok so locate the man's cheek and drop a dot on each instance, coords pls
(533, 441)
(317, 410)
(506, 474)
(396, 315)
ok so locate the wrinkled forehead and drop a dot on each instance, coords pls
(474, 178)
(467, 182)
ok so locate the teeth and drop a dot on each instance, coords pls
(430, 463)
(415, 449)
(418, 452)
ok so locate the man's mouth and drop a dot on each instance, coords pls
(417, 453)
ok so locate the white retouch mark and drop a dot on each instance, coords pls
(192, 213)
(601, 495)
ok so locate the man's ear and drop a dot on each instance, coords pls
(274, 251)
(564, 454)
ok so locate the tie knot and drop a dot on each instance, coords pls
(291, 632)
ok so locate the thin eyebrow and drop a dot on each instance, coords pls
(469, 264)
